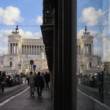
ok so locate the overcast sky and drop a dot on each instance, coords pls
(29, 12)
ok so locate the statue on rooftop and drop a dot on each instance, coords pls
(86, 31)
(16, 30)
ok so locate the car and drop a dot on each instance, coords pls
(18, 79)
(10, 80)
(89, 79)
(84, 79)
(92, 81)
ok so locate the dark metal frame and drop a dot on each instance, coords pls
(59, 35)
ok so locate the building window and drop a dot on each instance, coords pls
(11, 64)
(90, 64)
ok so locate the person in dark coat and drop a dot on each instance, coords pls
(2, 81)
(100, 83)
(39, 83)
(47, 80)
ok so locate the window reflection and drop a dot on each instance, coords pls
(93, 54)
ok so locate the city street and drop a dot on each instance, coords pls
(87, 99)
(91, 91)
(23, 101)
(10, 91)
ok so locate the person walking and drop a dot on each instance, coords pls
(31, 83)
(2, 81)
(47, 80)
(39, 84)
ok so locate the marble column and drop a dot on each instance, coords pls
(22, 49)
(12, 48)
(36, 49)
(31, 50)
(87, 48)
(84, 48)
(9, 48)
(40, 49)
(15, 48)
(90, 49)
(26, 49)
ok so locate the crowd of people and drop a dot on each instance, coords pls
(38, 81)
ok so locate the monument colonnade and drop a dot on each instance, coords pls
(87, 49)
(32, 49)
(26, 49)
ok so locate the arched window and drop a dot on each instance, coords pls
(90, 64)
(11, 64)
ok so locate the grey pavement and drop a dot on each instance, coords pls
(84, 103)
(11, 91)
(87, 102)
(26, 102)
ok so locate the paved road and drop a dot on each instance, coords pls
(91, 91)
(88, 98)
(25, 102)
(10, 91)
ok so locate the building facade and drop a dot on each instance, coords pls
(87, 62)
(21, 51)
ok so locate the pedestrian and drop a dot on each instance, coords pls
(27, 79)
(100, 78)
(47, 80)
(2, 81)
(39, 84)
(31, 83)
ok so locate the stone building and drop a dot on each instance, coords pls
(87, 62)
(20, 52)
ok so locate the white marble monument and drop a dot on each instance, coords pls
(87, 62)
(20, 52)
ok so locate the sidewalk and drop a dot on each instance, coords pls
(23, 101)
(26, 102)
(86, 102)
(11, 91)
